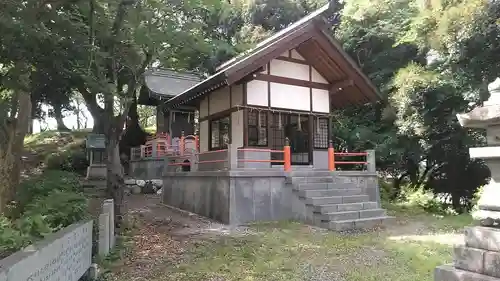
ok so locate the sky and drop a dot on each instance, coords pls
(70, 120)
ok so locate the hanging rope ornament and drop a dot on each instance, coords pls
(317, 125)
(299, 124)
(259, 120)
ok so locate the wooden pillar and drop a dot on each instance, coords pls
(311, 138)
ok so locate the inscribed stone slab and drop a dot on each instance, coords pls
(65, 256)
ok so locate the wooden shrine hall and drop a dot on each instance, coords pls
(284, 88)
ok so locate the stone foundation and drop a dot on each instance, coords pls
(477, 260)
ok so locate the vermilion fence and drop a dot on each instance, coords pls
(188, 149)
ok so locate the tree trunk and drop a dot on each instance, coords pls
(59, 118)
(11, 148)
(114, 173)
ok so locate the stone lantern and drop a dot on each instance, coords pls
(479, 258)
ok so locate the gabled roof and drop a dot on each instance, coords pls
(163, 84)
(309, 38)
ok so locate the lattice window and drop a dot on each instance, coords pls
(257, 128)
(219, 133)
(320, 133)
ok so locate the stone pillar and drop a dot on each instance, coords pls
(479, 258)
(108, 208)
(103, 245)
(370, 158)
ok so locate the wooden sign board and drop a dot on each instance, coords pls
(96, 141)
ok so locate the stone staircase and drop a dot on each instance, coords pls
(335, 204)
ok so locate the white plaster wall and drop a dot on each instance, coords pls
(290, 70)
(237, 95)
(237, 128)
(316, 77)
(257, 93)
(204, 107)
(296, 55)
(290, 97)
(321, 100)
(204, 136)
(219, 100)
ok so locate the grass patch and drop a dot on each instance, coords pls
(49, 142)
(293, 251)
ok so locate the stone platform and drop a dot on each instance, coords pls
(477, 260)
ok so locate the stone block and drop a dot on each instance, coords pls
(109, 208)
(485, 238)
(354, 199)
(370, 205)
(103, 245)
(492, 264)
(449, 273)
(470, 259)
(373, 213)
(64, 255)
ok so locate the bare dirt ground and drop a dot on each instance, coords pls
(163, 236)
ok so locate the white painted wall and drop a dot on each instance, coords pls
(237, 128)
(257, 93)
(316, 77)
(290, 70)
(321, 100)
(219, 100)
(296, 55)
(204, 136)
(290, 97)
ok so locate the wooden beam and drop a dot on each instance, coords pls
(293, 60)
(340, 85)
(291, 81)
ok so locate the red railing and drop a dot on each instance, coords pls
(332, 162)
(286, 156)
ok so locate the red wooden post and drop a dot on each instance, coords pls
(287, 157)
(331, 157)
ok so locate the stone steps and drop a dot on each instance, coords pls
(352, 215)
(359, 224)
(334, 203)
(325, 200)
(345, 207)
(322, 185)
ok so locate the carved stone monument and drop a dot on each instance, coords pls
(479, 258)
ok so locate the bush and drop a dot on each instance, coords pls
(11, 239)
(42, 185)
(70, 160)
(59, 208)
(45, 204)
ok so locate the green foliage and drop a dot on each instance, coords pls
(45, 204)
(59, 208)
(11, 239)
(70, 161)
(42, 185)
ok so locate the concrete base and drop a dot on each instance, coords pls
(231, 197)
(96, 171)
(241, 196)
(478, 259)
